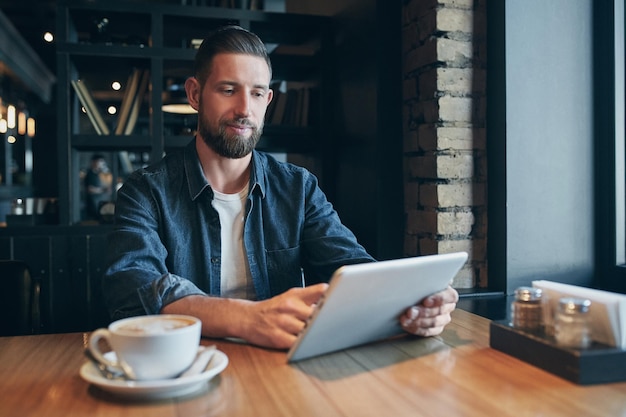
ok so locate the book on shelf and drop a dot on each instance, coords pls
(136, 103)
(127, 100)
(291, 105)
(86, 99)
(131, 103)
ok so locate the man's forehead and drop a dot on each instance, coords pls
(229, 62)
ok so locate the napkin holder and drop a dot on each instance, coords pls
(596, 365)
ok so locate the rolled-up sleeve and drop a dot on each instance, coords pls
(165, 290)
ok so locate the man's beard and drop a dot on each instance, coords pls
(229, 146)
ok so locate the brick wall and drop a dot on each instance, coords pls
(444, 52)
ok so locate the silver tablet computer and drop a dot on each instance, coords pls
(364, 302)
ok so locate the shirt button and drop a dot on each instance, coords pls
(215, 260)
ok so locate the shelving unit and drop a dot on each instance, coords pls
(159, 40)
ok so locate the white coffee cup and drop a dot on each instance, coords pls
(149, 347)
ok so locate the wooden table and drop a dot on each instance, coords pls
(456, 374)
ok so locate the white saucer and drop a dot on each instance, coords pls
(157, 389)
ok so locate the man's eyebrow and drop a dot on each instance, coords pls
(234, 84)
(227, 83)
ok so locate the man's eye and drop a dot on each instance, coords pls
(228, 91)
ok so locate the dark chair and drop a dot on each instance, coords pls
(19, 299)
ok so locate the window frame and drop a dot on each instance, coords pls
(610, 99)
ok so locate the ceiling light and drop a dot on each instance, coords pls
(178, 108)
(175, 100)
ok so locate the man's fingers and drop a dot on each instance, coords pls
(447, 296)
(425, 326)
(435, 311)
(299, 302)
(311, 295)
(291, 324)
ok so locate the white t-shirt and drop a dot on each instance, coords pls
(236, 281)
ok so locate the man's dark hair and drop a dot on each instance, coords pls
(228, 40)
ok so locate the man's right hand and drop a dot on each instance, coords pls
(273, 323)
(276, 322)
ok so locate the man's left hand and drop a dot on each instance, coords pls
(431, 315)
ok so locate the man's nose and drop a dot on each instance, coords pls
(242, 108)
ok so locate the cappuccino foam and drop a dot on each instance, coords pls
(154, 325)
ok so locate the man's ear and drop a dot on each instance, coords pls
(193, 91)
(270, 95)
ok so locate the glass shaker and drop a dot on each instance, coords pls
(572, 323)
(526, 309)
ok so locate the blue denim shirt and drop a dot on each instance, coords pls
(166, 241)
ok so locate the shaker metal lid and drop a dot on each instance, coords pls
(572, 305)
(528, 293)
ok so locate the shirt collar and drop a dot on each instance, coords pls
(197, 181)
(257, 174)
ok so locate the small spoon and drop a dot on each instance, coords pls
(105, 370)
(201, 362)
